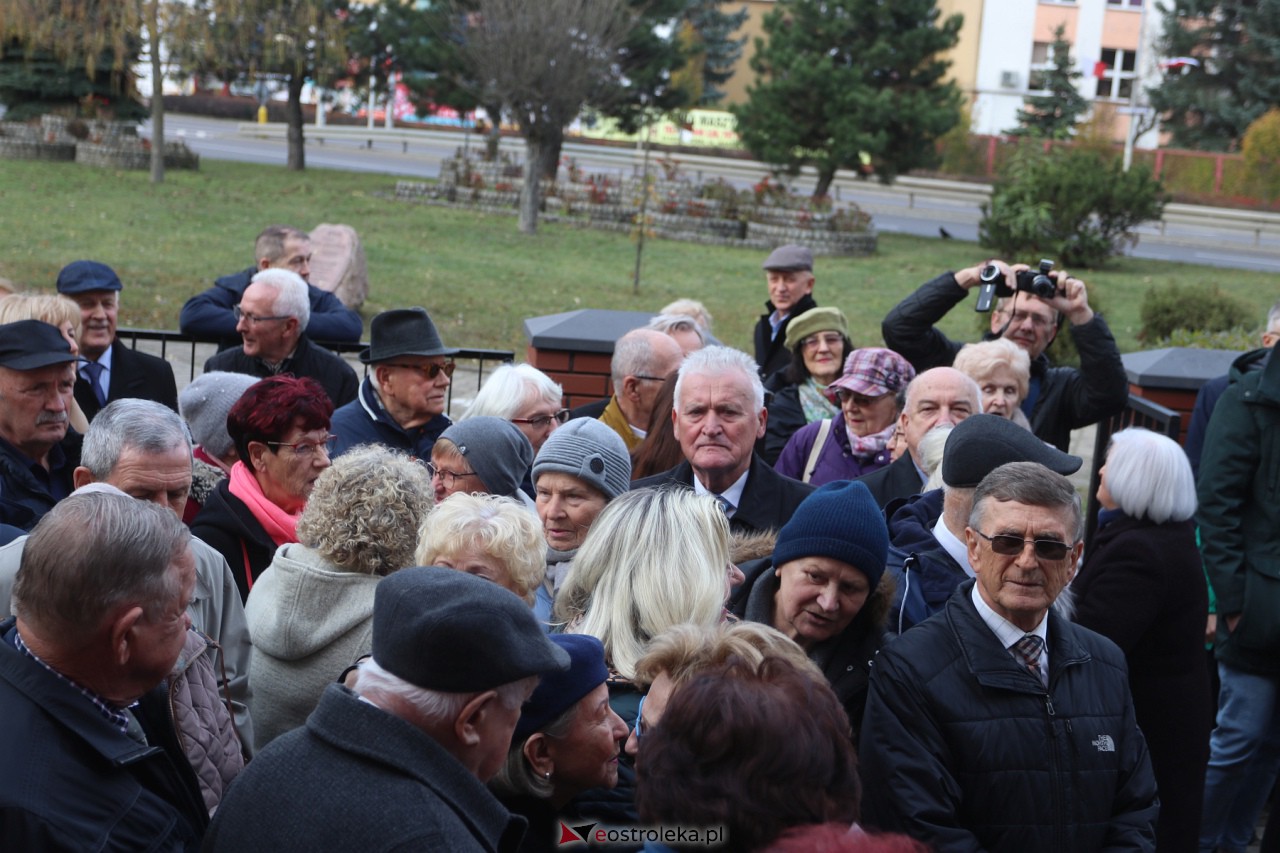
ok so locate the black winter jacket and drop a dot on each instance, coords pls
(772, 354)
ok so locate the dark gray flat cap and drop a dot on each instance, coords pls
(789, 258)
(982, 443)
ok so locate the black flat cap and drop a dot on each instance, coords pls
(789, 258)
(447, 630)
(30, 344)
(403, 331)
(84, 276)
(982, 443)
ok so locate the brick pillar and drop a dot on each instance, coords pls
(575, 349)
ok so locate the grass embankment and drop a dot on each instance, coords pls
(476, 274)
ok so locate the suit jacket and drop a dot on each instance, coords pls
(134, 375)
(899, 480)
(768, 500)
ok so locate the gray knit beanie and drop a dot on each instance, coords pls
(204, 405)
(496, 450)
(842, 521)
(587, 449)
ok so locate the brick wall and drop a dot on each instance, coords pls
(583, 375)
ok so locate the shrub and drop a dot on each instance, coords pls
(1239, 338)
(1261, 148)
(1172, 307)
(1073, 205)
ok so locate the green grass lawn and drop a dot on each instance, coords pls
(476, 274)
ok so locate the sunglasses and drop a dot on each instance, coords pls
(431, 371)
(1012, 546)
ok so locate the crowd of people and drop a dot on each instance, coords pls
(829, 597)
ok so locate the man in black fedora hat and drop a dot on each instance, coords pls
(402, 400)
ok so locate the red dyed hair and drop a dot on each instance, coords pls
(269, 410)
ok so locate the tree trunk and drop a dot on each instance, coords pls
(493, 138)
(293, 114)
(157, 94)
(826, 174)
(551, 153)
(530, 195)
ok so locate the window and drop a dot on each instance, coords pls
(1115, 73)
(1041, 65)
(1128, 4)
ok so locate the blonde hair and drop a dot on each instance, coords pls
(653, 558)
(54, 309)
(494, 525)
(978, 361)
(684, 651)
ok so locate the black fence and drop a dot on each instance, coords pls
(1139, 412)
(175, 346)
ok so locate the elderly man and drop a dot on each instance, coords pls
(270, 319)
(401, 762)
(718, 416)
(789, 273)
(642, 361)
(141, 448)
(108, 369)
(91, 758)
(37, 450)
(1060, 398)
(939, 396)
(928, 557)
(403, 398)
(997, 725)
(210, 314)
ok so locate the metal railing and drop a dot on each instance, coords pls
(1139, 412)
(178, 348)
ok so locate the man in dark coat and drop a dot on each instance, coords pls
(719, 414)
(1239, 518)
(270, 319)
(996, 725)
(92, 760)
(401, 763)
(1060, 399)
(109, 370)
(209, 314)
(789, 273)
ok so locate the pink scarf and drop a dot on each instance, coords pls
(280, 525)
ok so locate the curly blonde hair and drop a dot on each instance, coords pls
(491, 524)
(364, 512)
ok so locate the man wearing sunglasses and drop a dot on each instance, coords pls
(997, 724)
(402, 400)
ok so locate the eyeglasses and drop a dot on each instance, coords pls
(449, 478)
(861, 400)
(833, 341)
(650, 378)
(1012, 546)
(1037, 320)
(639, 731)
(305, 449)
(253, 319)
(430, 371)
(544, 421)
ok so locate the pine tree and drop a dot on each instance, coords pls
(840, 80)
(1055, 115)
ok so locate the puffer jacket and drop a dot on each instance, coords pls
(202, 720)
(964, 749)
(1239, 516)
(926, 574)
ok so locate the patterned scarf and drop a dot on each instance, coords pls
(866, 446)
(814, 402)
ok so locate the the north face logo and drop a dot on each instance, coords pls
(1104, 743)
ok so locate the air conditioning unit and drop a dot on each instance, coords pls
(1009, 80)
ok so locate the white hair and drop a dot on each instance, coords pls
(691, 308)
(435, 706)
(1148, 476)
(671, 323)
(508, 388)
(931, 451)
(292, 298)
(721, 360)
(1273, 318)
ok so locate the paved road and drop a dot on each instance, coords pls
(896, 209)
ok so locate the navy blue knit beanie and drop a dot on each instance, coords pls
(840, 521)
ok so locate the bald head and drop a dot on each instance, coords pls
(942, 395)
(642, 359)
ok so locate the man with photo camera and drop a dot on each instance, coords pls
(1059, 399)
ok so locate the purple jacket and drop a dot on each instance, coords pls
(835, 461)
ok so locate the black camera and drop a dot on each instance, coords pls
(995, 284)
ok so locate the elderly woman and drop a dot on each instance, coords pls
(856, 442)
(819, 344)
(61, 313)
(654, 558)
(524, 395)
(565, 742)
(494, 537)
(823, 587)
(311, 612)
(754, 749)
(280, 429)
(204, 405)
(1142, 585)
(481, 455)
(1002, 370)
(580, 469)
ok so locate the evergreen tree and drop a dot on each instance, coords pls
(840, 80)
(1055, 115)
(1235, 78)
(35, 82)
